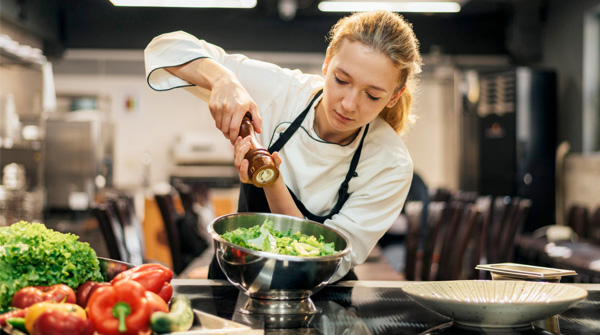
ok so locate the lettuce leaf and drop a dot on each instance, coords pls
(31, 254)
(265, 238)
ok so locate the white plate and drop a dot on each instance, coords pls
(522, 271)
(500, 303)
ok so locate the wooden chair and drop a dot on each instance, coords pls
(464, 238)
(187, 196)
(169, 214)
(445, 241)
(501, 209)
(594, 227)
(512, 229)
(430, 234)
(111, 231)
(477, 253)
(132, 228)
(413, 211)
(185, 242)
(578, 219)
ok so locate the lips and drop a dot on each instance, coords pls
(342, 118)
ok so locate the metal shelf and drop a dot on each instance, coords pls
(10, 58)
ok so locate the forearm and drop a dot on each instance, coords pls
(203, 72)
(280, 200)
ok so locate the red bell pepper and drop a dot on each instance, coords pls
(157, 304)
(28, 296)
(85, 290)
(120, 309)
(154, 277)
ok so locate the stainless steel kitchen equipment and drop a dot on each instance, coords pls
(279, 286)
(79, 158)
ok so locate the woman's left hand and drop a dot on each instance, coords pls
(242, 146)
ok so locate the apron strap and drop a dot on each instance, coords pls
(287, 134)
(342, 192)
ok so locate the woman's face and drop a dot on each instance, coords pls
(359, 83)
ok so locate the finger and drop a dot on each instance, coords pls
(225, 121)
(236, 121)
(241, 148)
(243, 170)
(256, 119)
(217, 117)
(276, 158)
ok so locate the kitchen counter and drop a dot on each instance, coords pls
(372, 307)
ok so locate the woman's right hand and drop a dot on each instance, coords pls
(229, 102)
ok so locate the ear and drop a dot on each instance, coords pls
(394, 99)
(325, 65)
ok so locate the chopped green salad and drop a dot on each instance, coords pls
(265, 238)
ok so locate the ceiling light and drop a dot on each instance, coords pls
(187, 3)
(394, 6)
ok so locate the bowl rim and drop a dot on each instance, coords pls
(218, 238)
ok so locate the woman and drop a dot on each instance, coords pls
(335, 138)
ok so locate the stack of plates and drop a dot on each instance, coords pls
(514, 271)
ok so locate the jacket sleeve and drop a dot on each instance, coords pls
(262, 80)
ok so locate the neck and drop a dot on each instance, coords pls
(329, 134)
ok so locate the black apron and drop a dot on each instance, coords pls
(253, 199)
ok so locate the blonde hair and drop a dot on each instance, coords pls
(390, 34)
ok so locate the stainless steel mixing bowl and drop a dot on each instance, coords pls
(267, 277)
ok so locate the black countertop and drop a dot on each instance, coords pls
(371, 307)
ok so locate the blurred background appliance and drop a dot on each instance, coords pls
(79, 158)
(509, 137)
(200, 158)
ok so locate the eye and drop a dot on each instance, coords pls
(372, 97)
(339, 81)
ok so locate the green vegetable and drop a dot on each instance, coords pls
(17, 323)
(265, 238)
(32, 255)
(179, 318)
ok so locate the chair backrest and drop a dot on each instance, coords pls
(127, 207)
(187, 196)
(111, 231)
(445, 241)
(501, 210)
(169, 215)
(514, 227)
(132, 230)
(413, 211)
(477, 253)
(578, 219)
(430, 233)
(465, 238)
(594, 227)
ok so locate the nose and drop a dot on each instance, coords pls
(350, 101)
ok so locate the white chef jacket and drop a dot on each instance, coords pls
(312, 168)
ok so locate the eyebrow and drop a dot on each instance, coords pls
(371, 86)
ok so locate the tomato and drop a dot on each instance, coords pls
(85, 290)
(28, 296)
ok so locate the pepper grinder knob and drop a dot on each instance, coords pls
(262, 169)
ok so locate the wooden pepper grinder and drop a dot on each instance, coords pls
(262, 169)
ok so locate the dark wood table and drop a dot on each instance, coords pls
(582, 257)
(373, 307)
